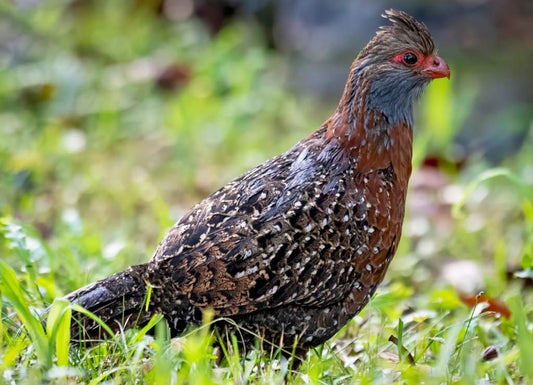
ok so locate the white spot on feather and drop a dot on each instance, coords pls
(248, 271)
(273, 290)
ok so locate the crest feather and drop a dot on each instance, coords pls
(405, 27)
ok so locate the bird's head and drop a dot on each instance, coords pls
(393, 69)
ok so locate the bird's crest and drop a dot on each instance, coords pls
(405, 27)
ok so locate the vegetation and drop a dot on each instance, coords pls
(114, 123)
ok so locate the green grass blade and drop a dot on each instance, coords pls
(58, 328)
(94, 317)
(141, 333)
(11, 289)
(525, 338)
(484, 176)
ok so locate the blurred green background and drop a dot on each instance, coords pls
(117, 116)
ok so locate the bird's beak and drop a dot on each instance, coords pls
(437, 68)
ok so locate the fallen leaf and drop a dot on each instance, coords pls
(494, 305)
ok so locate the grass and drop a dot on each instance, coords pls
(97, 160)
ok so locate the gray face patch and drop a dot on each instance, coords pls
(394, 93)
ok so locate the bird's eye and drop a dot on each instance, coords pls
(409, 58)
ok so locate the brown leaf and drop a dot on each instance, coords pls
(494, 305)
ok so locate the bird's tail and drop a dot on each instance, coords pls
(118, 301)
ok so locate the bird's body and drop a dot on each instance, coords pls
(294, 248)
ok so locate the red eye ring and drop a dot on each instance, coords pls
(409, 59)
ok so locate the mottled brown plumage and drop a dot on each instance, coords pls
(294, 248)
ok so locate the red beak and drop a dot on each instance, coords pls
(437, 68)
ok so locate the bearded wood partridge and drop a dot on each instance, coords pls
(295, 247)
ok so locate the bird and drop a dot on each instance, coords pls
(296, 247)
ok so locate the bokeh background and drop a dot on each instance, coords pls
(117, 116)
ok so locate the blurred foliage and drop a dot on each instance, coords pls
(114, 121)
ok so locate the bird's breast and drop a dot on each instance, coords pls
(379, 197)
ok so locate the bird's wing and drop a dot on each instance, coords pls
(267, 239)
